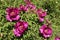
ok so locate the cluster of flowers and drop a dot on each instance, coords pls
(12, 14)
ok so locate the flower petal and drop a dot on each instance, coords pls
(57, 38)
(26, 25)
(42, 28)
(16, 33)
(8, 18)
(41, 19)
(17, 18)
(46, 35)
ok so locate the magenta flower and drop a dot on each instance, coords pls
(23, 8)
(12, 14)
(45, 31)
(31, 6)
(20, 28)
(57, 38)
(41, 14)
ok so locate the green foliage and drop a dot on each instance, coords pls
(6, 27)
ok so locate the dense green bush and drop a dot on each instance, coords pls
(53, 11)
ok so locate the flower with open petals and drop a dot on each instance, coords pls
(12, 14)
(41, 14)
(20, 28)
(57, 38)
(23, 8)
(45, 31)
(31, 6)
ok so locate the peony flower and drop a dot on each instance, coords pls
(20, 28)
(31, 6)
(23, 8)
(57, 38)
(45, 31)
(41, 14)
(12, 14)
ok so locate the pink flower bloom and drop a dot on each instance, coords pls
(12, 14)
(23, 8)
(45, 31)
(31, 6)
(20, 28)
(41, 14)
(57, 38)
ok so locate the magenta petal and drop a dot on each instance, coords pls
(42, 28)
(21, 30)
(39, 11)
(11, 9)
(44, 14)
(8, 10)
(46, 35)
(57, 38)
(17, 18)
(16, 10)
(32, 7)
(23, 8)
(16, 32)
(49, 31)
(8, 18)
(26, 25)
(26, 8)
(41, 19)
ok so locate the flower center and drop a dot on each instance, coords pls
(41, 13)
(21, 27)
(46, 31)
(12, 14)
